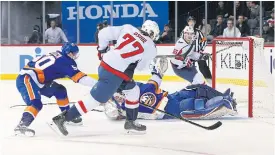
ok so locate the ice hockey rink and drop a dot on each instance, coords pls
(99, 136)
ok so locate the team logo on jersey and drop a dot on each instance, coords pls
(175, 51)
(148, 99)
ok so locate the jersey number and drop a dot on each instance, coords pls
(44, 62)
(130, 39)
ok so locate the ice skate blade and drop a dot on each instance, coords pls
(26, 134)
(55, 128)
(135, 132)
(74, 124)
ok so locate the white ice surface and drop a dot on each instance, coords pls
(99, 136)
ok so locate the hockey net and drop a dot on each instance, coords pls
(242, 65)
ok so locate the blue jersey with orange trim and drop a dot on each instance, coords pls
(150, 95)
(50, 67)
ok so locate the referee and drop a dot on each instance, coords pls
(200, 45)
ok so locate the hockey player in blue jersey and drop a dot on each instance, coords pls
(195, 101)
(37, 78)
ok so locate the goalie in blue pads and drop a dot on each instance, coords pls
(193, 102)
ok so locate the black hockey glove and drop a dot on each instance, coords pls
(205, 56)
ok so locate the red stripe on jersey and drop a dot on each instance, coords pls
(82, 106)
(179, 53)
(131, 103)
(114, 71)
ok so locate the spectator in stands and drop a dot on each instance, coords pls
(217, 30)
(247, 9)
(54, 34)
(166, 36)
(205, 30)
(271, 20)
(221, 10)
(242, 26)
(254, 11)
(268, 32)
(36, 37)
(229, 31)
(239, 10)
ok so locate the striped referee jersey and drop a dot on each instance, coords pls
(201, 40)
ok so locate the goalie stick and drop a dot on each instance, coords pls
(21, 105)
(212, 127)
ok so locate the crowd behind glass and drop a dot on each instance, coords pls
(220, 24)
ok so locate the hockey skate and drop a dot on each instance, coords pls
(58, 124)
(75, 122)
(227, 92)
(134, 127)
(234, 102)
(22, 130)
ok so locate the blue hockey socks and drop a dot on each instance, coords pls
(72, 113)
(131, 114)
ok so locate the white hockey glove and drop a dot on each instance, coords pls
(112, 111)
(159, 66)
(113, 108)
(186, 63)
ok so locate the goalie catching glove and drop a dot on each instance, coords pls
(159, 66)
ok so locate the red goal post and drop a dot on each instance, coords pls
(249, 75)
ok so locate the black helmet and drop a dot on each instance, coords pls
(102, 24)
(36, 27)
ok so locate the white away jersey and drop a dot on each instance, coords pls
(182, 47)
(131, 46)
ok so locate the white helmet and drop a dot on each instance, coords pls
(151, 28)
(188, 29)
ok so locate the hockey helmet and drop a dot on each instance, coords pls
(70, 48)
(152, 28)
(188, 29)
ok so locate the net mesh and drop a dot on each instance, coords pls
(252, 84)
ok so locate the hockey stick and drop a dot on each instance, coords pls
(24, 105)
(52, 104)
(219, 51)
(212, 127)
(183, 55)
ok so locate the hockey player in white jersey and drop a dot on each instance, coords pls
(185, 56)
(134, 49)
(200, 45)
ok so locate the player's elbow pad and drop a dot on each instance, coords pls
(87, 81)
